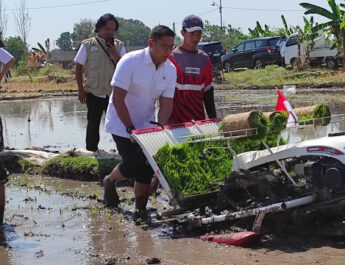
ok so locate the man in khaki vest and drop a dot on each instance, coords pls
(95, 65)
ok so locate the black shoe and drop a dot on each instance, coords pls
(142, 217)
(110, 198)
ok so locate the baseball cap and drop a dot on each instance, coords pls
(192, 23)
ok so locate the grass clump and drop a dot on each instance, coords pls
(79, 167)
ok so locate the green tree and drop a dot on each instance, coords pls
(233, 37)
(17, 47)
(64, 42)
(336, 23)
(229, 36)
(213, 33)
(132, 32)
(81, 31)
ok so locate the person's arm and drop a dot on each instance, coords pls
(113, 52)
(165, 109)
(209, 92)
(6, 68)
(119, 96)
(80, 83)
(209, 103)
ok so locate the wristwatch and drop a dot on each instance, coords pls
(129, 129)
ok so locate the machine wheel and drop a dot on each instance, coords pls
(293, 63)
(227, 67)
(258, 64)
(332, 63)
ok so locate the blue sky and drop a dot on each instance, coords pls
(50, 22)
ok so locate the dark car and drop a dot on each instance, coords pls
(214, 49)
(253, 53)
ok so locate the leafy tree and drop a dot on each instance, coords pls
(81, 31)
(336, 23)
(64, 42)
(213, 32)
(132, 32)
(233, 37)
(17, 47)
(229, 36)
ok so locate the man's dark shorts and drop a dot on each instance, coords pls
(134, 164)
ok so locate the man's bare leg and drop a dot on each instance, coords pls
(142, 193)
(111, 198)
(154, 185)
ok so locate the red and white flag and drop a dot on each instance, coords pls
(284, 105)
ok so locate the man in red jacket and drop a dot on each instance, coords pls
(194, 87)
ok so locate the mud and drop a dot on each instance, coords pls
(54, 221)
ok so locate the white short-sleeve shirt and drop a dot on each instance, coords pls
(81, 56)
(5, 56)
(144, 83)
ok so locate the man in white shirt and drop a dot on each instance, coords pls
(281, 45)
(95, 64)
(141, 78)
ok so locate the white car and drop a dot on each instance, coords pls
(320, 54)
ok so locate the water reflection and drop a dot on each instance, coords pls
(60, 123)
(56, 124)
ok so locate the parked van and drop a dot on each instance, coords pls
(320, 54)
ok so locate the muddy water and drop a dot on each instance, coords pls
(45, 227)
(59, 123)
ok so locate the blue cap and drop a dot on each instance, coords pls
(192, 23)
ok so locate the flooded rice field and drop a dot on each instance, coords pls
(52, 221)
(59, 123)
(58, 221)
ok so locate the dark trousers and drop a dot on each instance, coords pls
(134, 164)
(95, 108)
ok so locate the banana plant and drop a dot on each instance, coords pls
(336, 23)
(306, 35)
(288, 30)
(45, 50)
(258, 31)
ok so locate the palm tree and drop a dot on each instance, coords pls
(336, 23)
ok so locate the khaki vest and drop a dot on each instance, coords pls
(99, 69)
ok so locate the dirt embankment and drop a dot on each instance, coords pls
(39, 90)
(335, 85)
